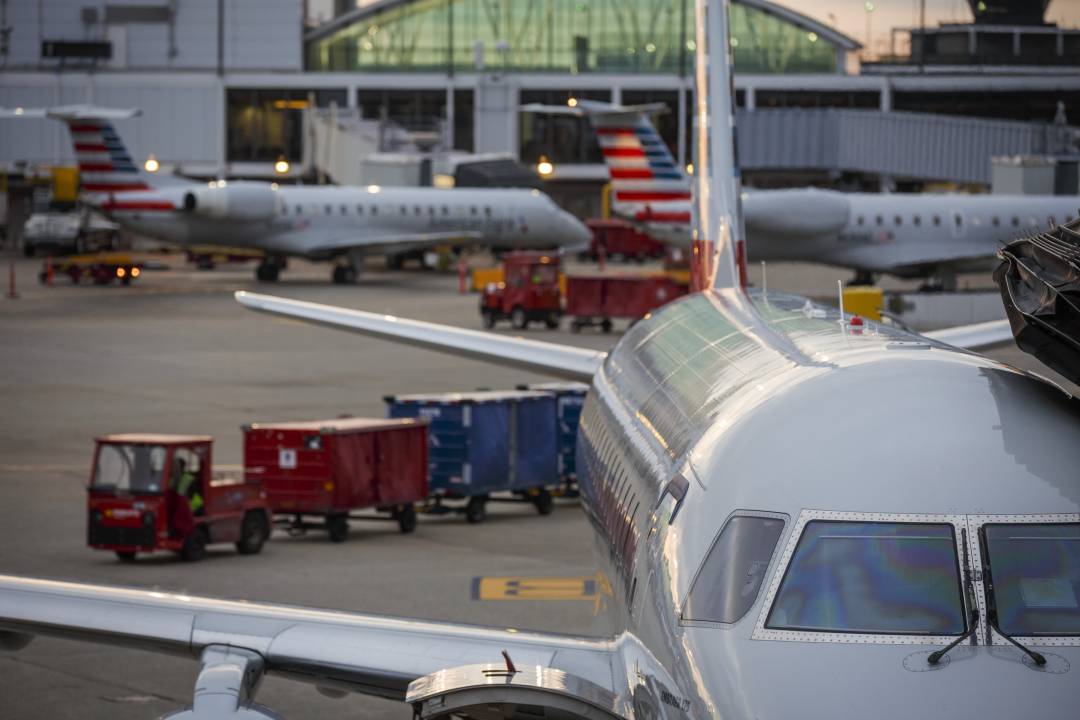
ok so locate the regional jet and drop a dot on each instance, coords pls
(339, 224)
(907, 235)
(799, 515)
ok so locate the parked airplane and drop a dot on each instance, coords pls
(908, 235)
(800, 516)
(341, 224)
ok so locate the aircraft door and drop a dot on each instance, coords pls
(958, 223)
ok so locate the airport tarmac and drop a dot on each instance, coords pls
(175, 353)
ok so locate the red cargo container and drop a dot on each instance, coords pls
(328, 468)
(621, 240)
(598, 299)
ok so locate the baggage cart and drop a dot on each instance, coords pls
(569, 402)
(618, 240)
(597, 300)
(317, 473)
(486, 446)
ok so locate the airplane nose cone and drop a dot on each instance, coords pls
(577, 233)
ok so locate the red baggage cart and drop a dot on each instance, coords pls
(325, 469)
(599, 299)
(619, 240)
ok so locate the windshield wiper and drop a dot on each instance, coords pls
(973, 607)
(991, 606)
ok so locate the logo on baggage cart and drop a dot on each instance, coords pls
(287, 459)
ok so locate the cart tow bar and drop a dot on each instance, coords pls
(226, 686)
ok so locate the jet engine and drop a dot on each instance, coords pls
(796, 213)
(243, 202)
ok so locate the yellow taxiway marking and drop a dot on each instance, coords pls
(592, 588)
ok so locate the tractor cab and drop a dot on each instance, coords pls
(157, 492)
(528, 293)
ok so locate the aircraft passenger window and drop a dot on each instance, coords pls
(917, 220)
(404, 210)
(431, 211)
(860, 220)
(344, 210)
(872, 577)
(472, 210)
(996, 221)
(1015, 221)
(359, 209)
(727, 584)
(1036, 577)
(374, 210)
(487, 211)
(880, 220)
(329, 210)
(417, 211)
(958, 219)
(937, 221)
(299, 209)
(898, 221)
(445, 210)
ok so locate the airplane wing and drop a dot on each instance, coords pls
(974, 337)
(559, 360)
(335, 651)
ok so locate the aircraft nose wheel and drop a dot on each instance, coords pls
(344, 275)
(267, 272)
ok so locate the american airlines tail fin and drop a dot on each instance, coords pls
(643, 170)
(105, 165)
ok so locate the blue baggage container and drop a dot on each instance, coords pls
(485, 442)
(569, 401)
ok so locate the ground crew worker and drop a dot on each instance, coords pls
(187, 487)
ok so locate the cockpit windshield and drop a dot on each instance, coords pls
(1036, 577)
(130, 468)
(872, 577)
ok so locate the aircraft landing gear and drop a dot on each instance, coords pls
(862, 277)
(344, 275)
(268, 270)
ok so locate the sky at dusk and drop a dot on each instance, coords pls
(849, 16)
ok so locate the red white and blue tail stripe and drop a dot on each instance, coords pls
(642, 167)
(105, 165)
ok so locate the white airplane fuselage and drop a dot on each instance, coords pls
(908, 235)
(322, 222)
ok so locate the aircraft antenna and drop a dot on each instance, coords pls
(840, 293)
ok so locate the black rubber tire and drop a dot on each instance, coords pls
(544, 502)
(254, 531)
(194, 546)
(551, 321)
(606, 325)
(476, 510)
(406, 519)
(488, 319)
(338, 528)
(266, 272)
(518, 319)
(394, 262)
(126, 555)
(575, 327)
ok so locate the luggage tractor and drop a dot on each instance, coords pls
(528, 293)
(156, 492)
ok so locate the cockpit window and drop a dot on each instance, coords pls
(1036, 577)
(872, 577)
(727, 584)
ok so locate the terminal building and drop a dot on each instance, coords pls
(229, 87)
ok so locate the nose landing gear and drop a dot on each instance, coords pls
(269, 269)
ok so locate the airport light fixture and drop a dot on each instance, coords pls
(572, 102)
(281, 167)
(544, 167)
(151, 165)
